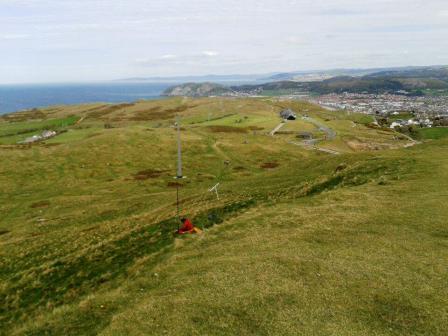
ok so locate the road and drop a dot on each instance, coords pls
(311, 144)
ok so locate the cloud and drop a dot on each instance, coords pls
(14, 36)
(296, 40)
(168, 57)
(210, 53)
(171, 59)
(49, 39)
(340, 12)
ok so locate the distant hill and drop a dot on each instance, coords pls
(412, 80)
(197, 90)
(300, 75)
(439, 72)
(387, 81)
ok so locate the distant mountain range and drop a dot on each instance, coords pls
(410, 80)
(303, 76)
(199, 79)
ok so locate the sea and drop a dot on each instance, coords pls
(21, 97)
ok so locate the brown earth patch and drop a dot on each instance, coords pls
(358, 145)
(340, 167)
(36, 234)
(12, 147)
(180, 129)
(227, 129)
(255, 128)
(90, 228)
(102, 111)
(373, 126)
(40, 204)
(269, 165)
(148, 173)
(285, 132)
(3, 232)
(174, 184)
(157, 113)
(206, 176)
(239, 168)
(150, 114)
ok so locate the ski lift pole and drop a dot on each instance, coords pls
(179, 171)
(178, 210)
(179, 151)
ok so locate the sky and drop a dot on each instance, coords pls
(88, 40)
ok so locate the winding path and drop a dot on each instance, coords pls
(311, 144)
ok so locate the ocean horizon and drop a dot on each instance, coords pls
(19, 97)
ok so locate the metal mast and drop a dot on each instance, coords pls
(179, 151)
(179, 170)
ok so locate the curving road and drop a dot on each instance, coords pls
(330, 134)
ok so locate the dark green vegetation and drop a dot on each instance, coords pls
(433, 133)
(430, 81)
(300, 242)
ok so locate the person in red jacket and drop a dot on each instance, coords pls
(187, 226)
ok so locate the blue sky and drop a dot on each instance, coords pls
(84, 40)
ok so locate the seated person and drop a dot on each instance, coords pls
(187, 227)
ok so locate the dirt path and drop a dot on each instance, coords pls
(412, 141)
(220, 152)
(275, 130)
(310, 146)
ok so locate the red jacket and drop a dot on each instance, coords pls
(188, 226)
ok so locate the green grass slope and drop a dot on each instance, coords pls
(300, 242)
(433, 133)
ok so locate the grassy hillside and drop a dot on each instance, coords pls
(300, 242)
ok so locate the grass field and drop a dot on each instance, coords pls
(300, 242)
(14, 132)
(401, 116)
(433, 133)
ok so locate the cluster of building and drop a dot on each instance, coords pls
(412, 122)
(39, 137)
(385, 104)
